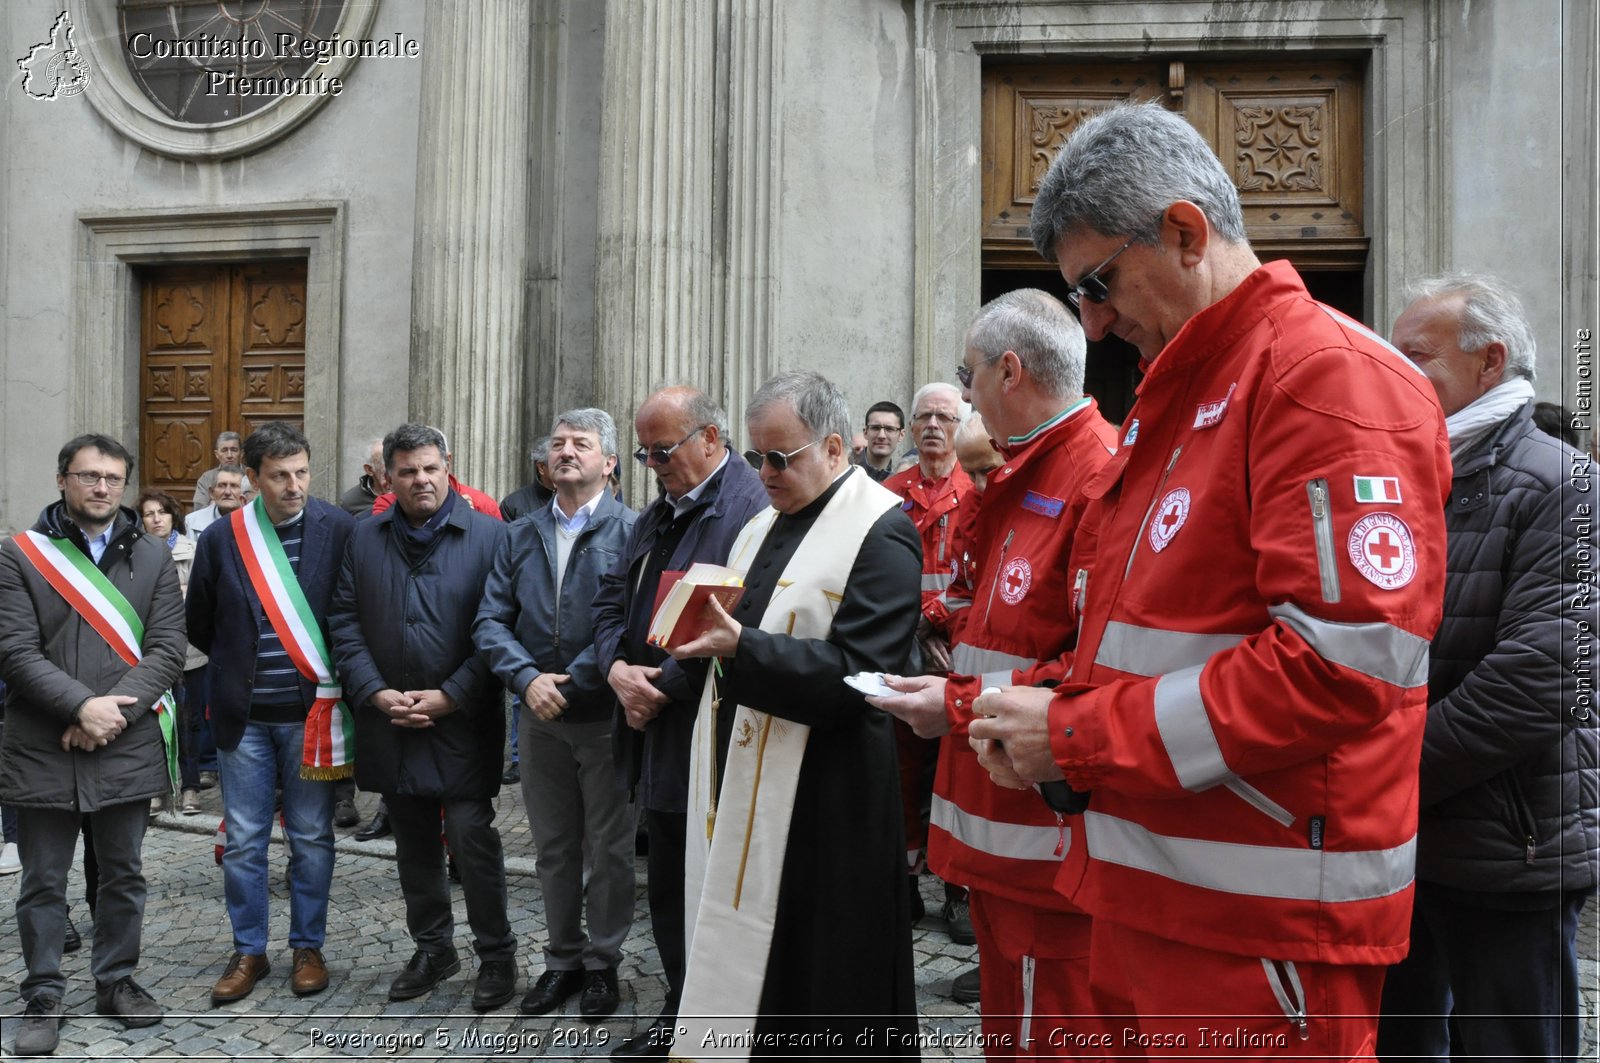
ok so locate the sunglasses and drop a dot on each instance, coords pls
(964, 372)
(1091, 287)
(780, 461)
(661, 455)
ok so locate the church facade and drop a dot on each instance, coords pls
(356, 212)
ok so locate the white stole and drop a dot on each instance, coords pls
(731, 880)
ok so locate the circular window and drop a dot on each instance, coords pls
(216, 78)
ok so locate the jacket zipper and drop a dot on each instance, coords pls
(942, 522)
(1025, 1030)
(1144, 522)
(1322, 529)
(1525, 817)
(1260, 801)
(999, 571)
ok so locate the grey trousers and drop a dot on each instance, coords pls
(575, 807)
(468, 826)
(46, 841)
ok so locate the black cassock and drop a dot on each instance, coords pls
(842, 942)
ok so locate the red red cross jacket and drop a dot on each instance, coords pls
(931, 505)
(1008, 842)
(1247, 696)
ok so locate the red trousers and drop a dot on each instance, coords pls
(1034, 979)
(1165, 1000)
(917, 759)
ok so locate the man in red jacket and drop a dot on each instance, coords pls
(1256, 581)
(933, 490)
(1023, 369)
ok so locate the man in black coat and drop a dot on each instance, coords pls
(708, 493)
(1507, 839)
(84, 735)
(428, 718)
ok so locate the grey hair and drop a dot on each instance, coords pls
(1121, 169)
(588, 419)
(1044, 334)
(413, 436)
(972, 428)
(963, 409)
(541, 449)
(228, 437)
(815, 399)
(231, 470)
(1490, 312)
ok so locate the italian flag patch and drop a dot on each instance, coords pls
(1377, 489)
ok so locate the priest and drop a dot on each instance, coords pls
(799, 925)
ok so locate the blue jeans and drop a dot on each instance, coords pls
(267, 757)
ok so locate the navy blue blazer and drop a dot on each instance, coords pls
(225, 615)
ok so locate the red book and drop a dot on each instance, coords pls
(683, 603)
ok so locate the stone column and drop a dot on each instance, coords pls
(748, 156)
(469, 275)
(654, 299)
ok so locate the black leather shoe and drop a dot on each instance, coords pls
(345, 814)
(425, 971)
(71, 941)
(653, 1043)
(551, 991)
(964, 988)
(497, 983)
(378, 828)
(512, 775)
(958, 917)
(600, 997)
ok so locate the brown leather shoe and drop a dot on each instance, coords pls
(240, 978)
(310, 973)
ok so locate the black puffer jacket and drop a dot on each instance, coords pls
(1509, 783)
(53, 661)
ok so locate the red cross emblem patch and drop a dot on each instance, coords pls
(1171, 512)
(1015, 580)
(1382, 550)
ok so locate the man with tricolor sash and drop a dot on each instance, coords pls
(258, 606)
(91, 640)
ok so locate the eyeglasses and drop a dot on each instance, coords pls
(929, 415)
(873, 429)
(1091, 287)
(964, 372)
(661, 455)
(780, 461)
(89, 479)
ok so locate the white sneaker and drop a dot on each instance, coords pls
(10, 861)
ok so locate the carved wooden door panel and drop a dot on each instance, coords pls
(222, 348)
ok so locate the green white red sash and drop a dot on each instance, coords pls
(95, 598)
(330, 731)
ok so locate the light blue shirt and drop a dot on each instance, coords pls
(97, 545)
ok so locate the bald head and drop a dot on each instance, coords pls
(687, 422)
(975, 451)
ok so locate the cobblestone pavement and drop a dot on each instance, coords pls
(187, 941)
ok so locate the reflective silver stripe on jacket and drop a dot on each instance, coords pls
(1192, 746)
(1014, 841)
(1150, 651)
(1252, 870)
(1186, 730)
(936, 581)
(1381, 651)
(967, 659)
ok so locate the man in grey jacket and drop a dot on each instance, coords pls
(84, 733)
(535, 630)
(1506, 843)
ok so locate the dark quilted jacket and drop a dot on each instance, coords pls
(1509, 784)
